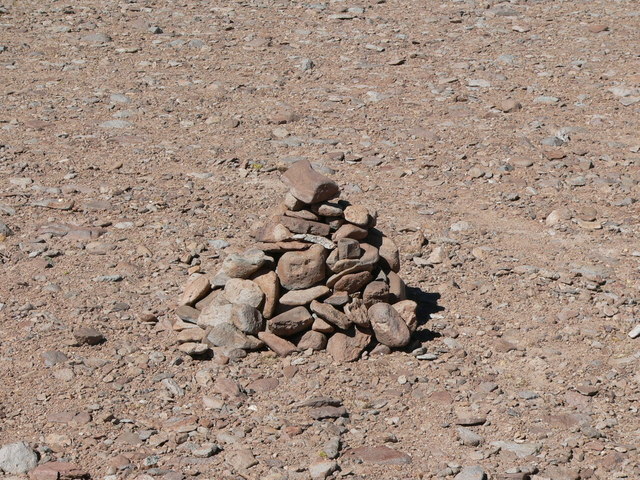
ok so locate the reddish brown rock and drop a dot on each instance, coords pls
(58, 471)
(299, 225)
(279, 345)
(381, 455)
(88, 336)
(330, 314)
(353, 282)
(302, 297)
(264, 385)
(269, 283)
(299, 270)
(357, 215)
(350, 231)
(358, 313)
(347, 346)
(407, 310)
(375, 292)
(308, 185)
(397, 288)
(195, 290)
(348, 248)
(313, 340)
(291, 322)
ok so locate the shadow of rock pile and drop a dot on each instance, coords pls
(320, 276)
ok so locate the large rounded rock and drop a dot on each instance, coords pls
(227, 335)
(17, 458)
(243, 291)
(298, 270)
(388, 326)
(245, 317)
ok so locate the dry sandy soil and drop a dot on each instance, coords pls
(138, 137)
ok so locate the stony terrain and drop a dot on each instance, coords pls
(498, 143)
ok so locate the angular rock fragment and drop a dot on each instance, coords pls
(307, 185)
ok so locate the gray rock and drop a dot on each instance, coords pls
(471, 473)
(241, 459)
(469, 437)
(245, 318)
(5, 230)
(97, 38)
(227, 335)
(389, 327)
(321, 470)
(53, 357)
(521, 450)
(243, 265)
(116, 124)
(243, 292)
(17, 458)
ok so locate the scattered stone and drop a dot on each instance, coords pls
(321, 470)
(381, 455)
(17, 458)
(469, 437)
(471, 473)
(88, 336)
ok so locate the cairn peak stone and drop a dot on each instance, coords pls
(308, 185)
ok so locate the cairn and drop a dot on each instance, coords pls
(320, 276)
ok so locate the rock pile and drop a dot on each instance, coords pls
(319, 276)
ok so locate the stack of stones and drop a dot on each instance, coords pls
(319, 276)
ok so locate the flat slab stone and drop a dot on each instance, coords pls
(291, 322)
(380, 455)
(302, 297)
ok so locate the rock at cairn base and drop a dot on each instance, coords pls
(319, 277)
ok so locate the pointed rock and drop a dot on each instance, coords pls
(308, 185)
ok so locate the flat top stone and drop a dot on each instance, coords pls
(381, 455)
(308, 185)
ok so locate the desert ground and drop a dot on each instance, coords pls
(498, 143)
